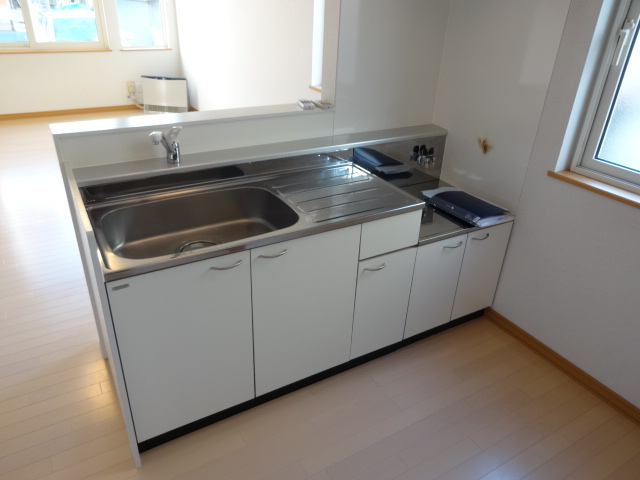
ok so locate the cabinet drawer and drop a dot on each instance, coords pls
(390, 234)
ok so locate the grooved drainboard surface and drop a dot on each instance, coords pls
(334, 193)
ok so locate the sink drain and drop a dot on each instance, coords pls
(195, 245)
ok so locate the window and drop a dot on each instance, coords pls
(608, 147)
(317, 43)
(47, 25)
(141, 24)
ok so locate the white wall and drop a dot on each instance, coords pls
(572, 270)
(391, 50)
(388, 64)
(246, 53)
(510, 74)
(37, 82)
(389, 57)
(498, 58)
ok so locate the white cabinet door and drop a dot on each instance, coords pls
(185, 340)
(481, 267)
(434, 284)
(382, 297)
(303, 296)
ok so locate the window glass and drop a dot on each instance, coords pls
(49, 24)
(609, 151)
(63, 22)
(12, 26)
(619, 143)
(141, 23)
(317, 45)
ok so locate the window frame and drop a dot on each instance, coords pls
(607, 78)
(33, 46)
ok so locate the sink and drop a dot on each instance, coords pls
(189, 222)
(142, 225)
(108, 191)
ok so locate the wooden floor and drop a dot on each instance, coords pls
(469, 403)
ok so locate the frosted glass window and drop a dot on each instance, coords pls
(619, 145)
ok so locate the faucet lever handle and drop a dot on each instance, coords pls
(174, 132)
(156, 137)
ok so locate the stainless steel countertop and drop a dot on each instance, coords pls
(435, 225)
(326, 192)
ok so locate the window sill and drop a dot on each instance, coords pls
(143, 49)
(55, 51)
(609, 191)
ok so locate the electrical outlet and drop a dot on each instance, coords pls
(131, 86)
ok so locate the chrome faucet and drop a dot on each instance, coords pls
(169, 143)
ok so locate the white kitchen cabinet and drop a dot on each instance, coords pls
(184, 335)
(382, 296)
(303, 299)
(483, 257)
(434, 284)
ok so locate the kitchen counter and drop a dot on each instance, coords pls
(253, 309)
(325, 191)
(435, 224)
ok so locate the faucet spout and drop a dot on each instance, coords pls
(173, 152)
(169, 143)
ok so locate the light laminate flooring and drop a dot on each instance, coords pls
(469, 403)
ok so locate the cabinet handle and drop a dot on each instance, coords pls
(483, 238)
(227, 268)
(454, 246)
(374, 269)
(274, 256)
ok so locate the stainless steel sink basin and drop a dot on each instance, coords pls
(110, 191)
(189, 222)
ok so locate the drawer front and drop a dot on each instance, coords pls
(390, 234)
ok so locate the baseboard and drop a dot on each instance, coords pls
(52, 113)
(599, 389)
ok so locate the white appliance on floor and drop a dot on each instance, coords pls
(165, 94)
